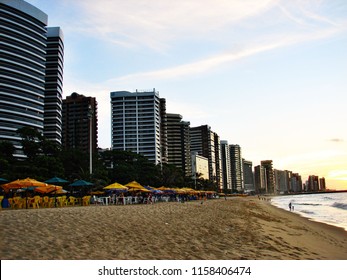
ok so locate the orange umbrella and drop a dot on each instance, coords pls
(22, 183)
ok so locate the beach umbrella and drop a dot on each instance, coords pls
(81, 183)
(48, 189)
(3, 181)
(22, 183)
(135, 186)
(56, 180)
(153, 190)
(116, 186)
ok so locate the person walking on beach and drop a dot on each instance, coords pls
(290, 206)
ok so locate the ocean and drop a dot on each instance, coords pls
(329, 208)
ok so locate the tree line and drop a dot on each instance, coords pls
(44, 159)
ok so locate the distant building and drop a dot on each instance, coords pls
(295, 183)
(312, 183)
(80, 123)
(206, 143)
(138, 124)
(260, 179)
(248, 177)
(236, 168)
(269, 172)
(226, 166)
(178, 143)
(322, 185)
(281, 178)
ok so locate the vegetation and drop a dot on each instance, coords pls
(45, 159)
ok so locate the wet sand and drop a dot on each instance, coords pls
(238, 228)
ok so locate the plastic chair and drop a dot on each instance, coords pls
(71, 201)
(86, 200)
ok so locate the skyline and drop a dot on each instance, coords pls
(267, 75)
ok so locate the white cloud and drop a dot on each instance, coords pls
(156, 24)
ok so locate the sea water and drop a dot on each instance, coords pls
(329, 208)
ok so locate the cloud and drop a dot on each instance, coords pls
(211, 63)
(336, 140)
(157, 24)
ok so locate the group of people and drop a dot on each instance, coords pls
(291, 206)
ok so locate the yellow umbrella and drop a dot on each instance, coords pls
(115, 186)
(135, 186)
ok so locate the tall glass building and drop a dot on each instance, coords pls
(54, 85)
(23, 64)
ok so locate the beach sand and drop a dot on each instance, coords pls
(237, 228)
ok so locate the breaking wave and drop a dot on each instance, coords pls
(340, 205)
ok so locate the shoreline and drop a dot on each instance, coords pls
(239, 228)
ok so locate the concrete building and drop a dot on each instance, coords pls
(322, 185)
(206, 143)
(226, 166)
(248, 176)
(295, 183)
(236, 168)
(282, 181)
(54, 85)
(178, 143)
(270, 180)
(312, 183)
(23, 56)
(260, 179)
(200, 166)
(137, 124)
(80, 123)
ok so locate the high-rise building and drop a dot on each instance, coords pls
(23, 56)
(54, 85)
(260, 179)
(282, 181)
(80, 123)
(312, 183)
(137, 123)
(248, 178)
(236, 168)
(226, 167)
(31, 73)
(206, 143)
(269, 172)
(178, 143)
(295, 183)
(322, 185)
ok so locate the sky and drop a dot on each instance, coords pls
(269, 75)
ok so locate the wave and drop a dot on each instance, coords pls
(340, 205)
(309, 204)
(307, 212)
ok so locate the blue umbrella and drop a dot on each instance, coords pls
(81, 183)
(3, 181)
(56, 180)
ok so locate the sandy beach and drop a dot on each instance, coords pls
(237, 228)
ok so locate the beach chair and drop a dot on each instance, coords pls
(71, 201)
(86, 200)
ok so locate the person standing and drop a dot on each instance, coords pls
(290, 206)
